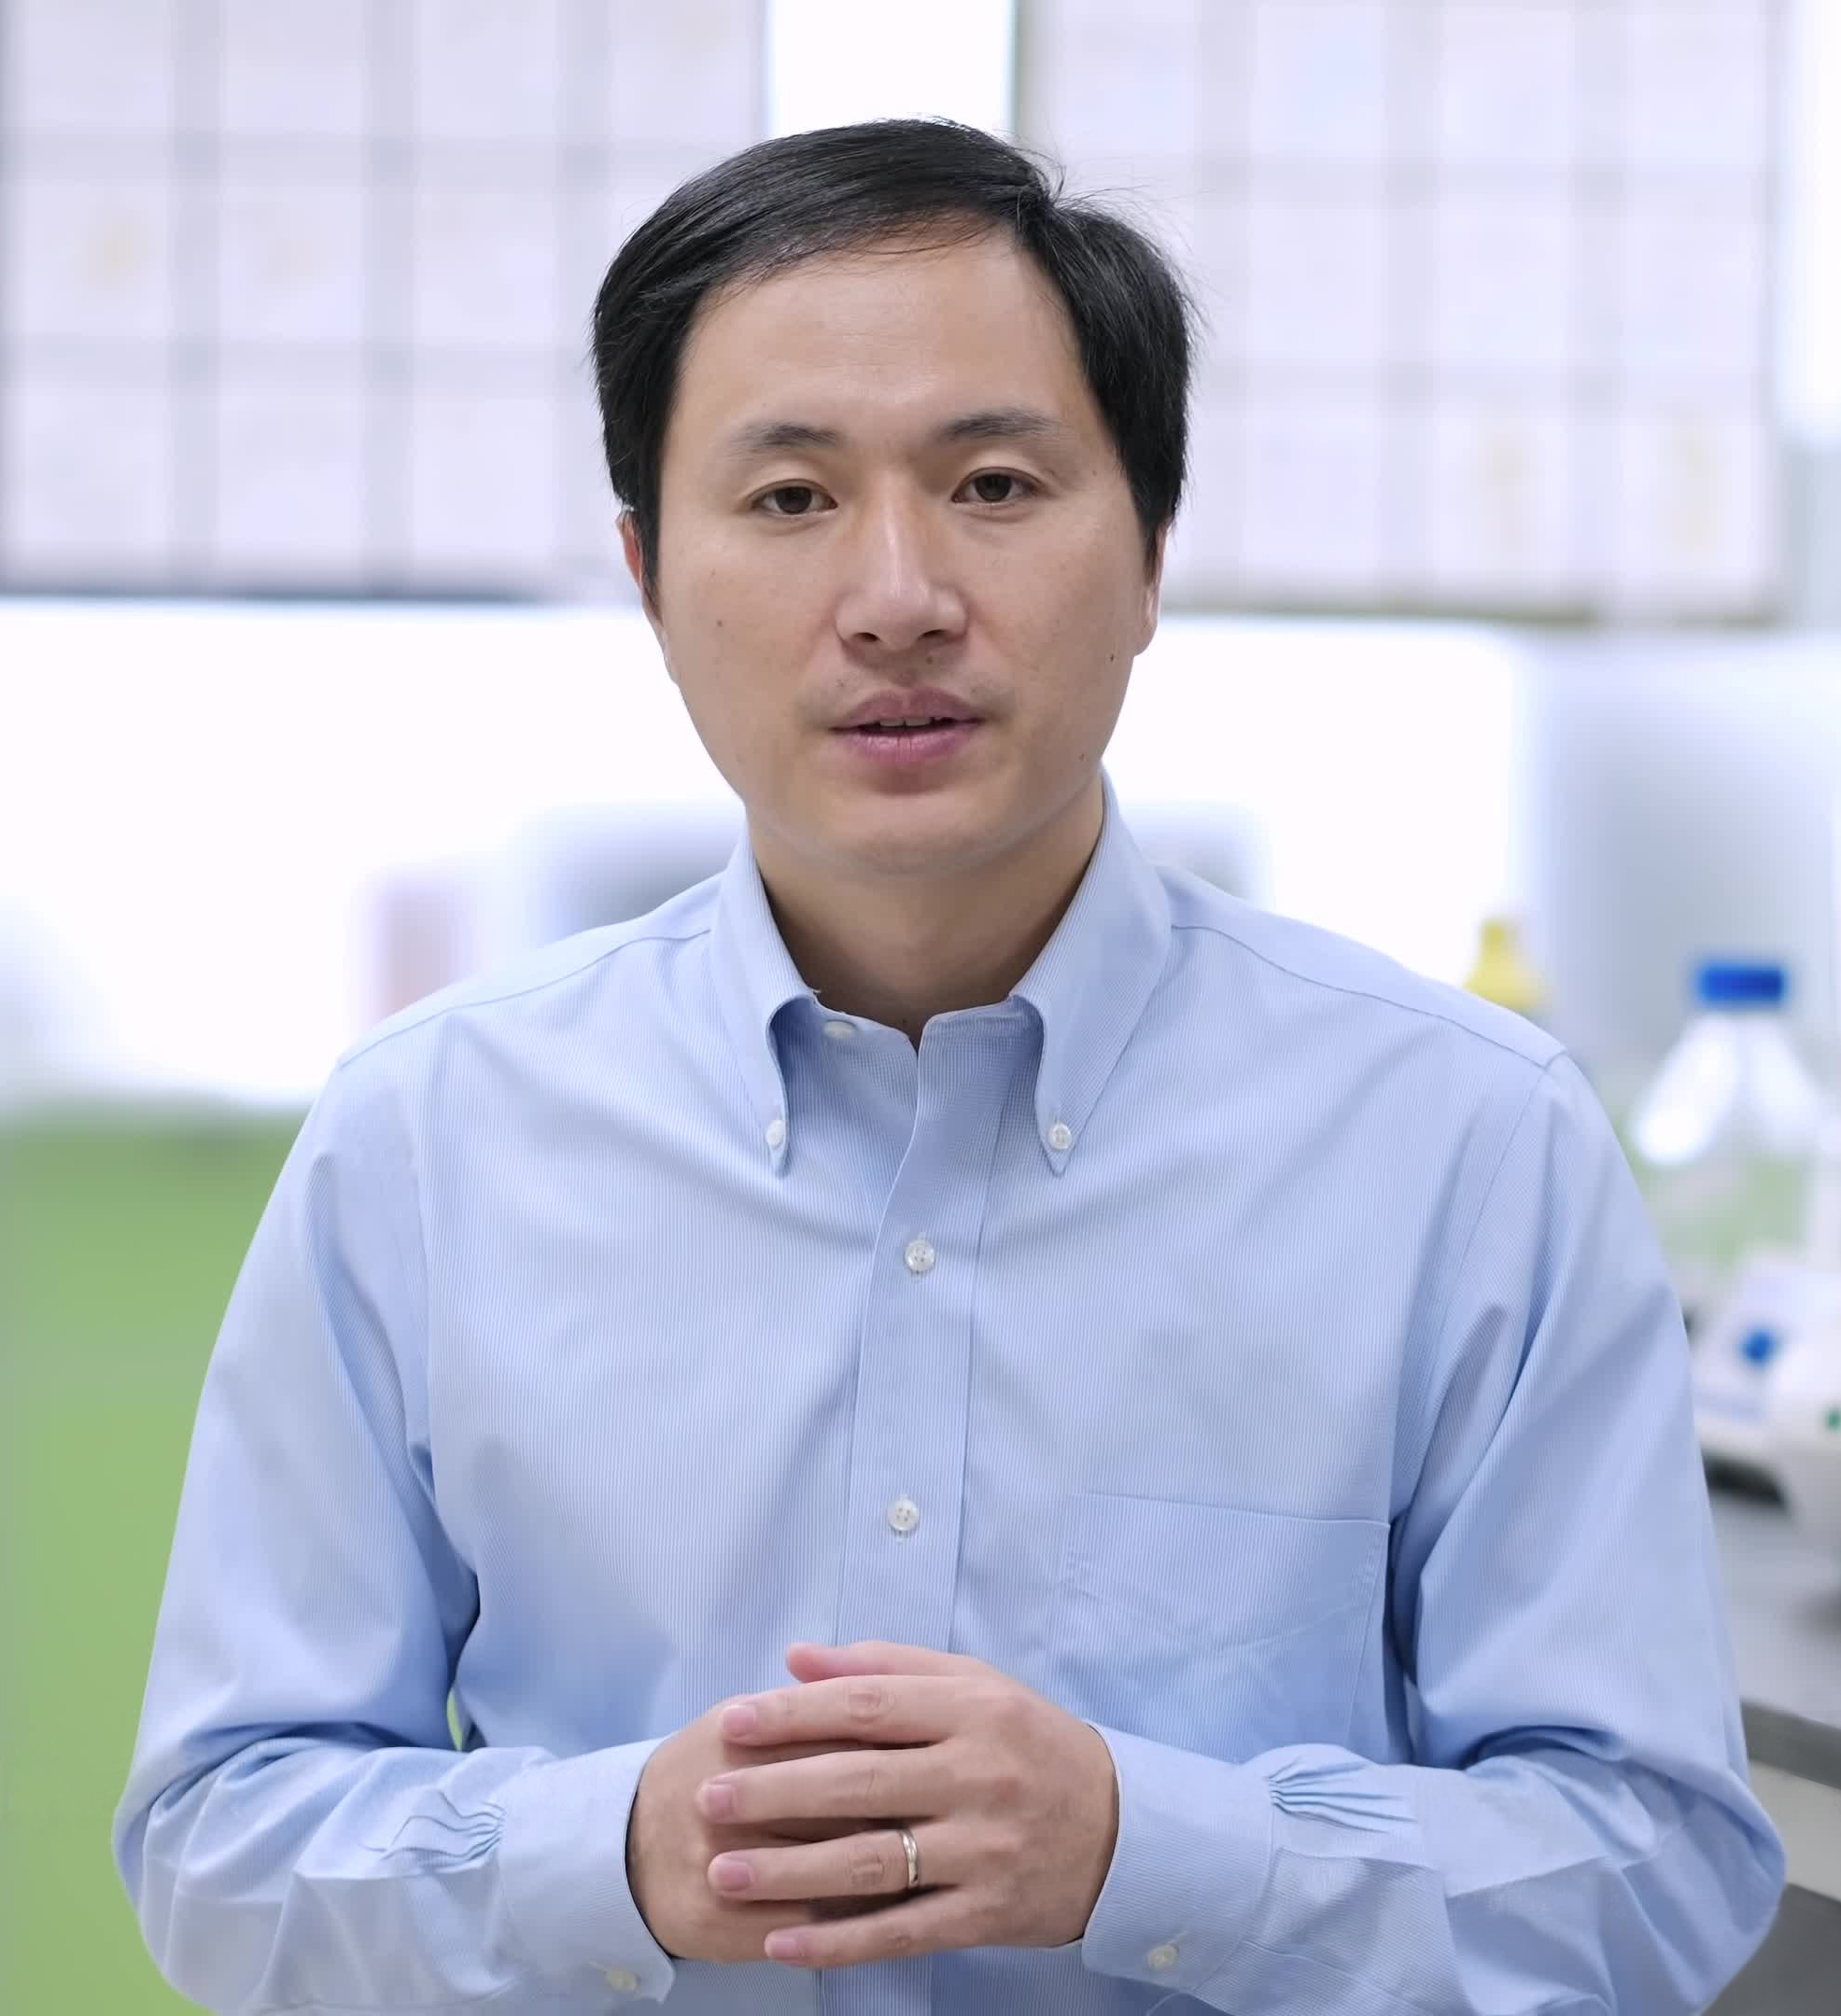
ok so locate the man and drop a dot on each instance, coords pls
(1195, 1407)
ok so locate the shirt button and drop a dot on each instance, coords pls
(776, 1131)
(622, 1978)
(920, 1256)
(904, 1515)
(842, 1032)
(1060, 1136)
(1161, 1957)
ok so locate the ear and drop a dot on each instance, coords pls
(629, 547)
(1154, 590)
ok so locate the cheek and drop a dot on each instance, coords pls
(719, 662)
(738, 638)
(1094, 595)
(1081, 639)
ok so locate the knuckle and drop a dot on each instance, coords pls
(958, 1770)
(991, 1775)
(871, 1789)
(992, 1921)
(1011, 1711)
(867, 1699)
(707, 1831)
(868, 1869)
(1006, 1787)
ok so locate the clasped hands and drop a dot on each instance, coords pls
(1012, 1803)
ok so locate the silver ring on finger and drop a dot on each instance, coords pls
(912, 1851)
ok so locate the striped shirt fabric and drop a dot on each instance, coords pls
(1253, 1347)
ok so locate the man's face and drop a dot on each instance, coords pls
(940, 507)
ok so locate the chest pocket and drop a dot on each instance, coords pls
(1223, 1632)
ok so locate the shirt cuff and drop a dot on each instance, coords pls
(562, 1860)
(1188, 1870)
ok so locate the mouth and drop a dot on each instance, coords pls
(904, 731)
(916, 708)
(911, 726)
(911, 741)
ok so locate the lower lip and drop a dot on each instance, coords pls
(907, 750)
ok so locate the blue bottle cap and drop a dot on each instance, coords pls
(1741, 984)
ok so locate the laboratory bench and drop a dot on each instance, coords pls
(1783, 1603)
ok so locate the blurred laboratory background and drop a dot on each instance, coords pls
(1502, 631)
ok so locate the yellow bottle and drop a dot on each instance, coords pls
(1504, 974)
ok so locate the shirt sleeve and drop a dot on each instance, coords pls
(298, 1829)
(1576, 1831)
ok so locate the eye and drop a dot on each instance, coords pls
(981, 485)
(790, 500)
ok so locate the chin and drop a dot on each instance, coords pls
(911, 855)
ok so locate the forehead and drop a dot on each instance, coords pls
(886, 329)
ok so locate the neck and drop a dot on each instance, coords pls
(901, 950)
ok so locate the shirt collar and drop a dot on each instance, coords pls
(1089, 985)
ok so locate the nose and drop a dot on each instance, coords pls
(896, 591)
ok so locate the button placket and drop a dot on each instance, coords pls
(912, 1393)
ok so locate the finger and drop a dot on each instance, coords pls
(861, 1785)
(745, 1757)
(867, 1864)
(807, 1830)
(933, 1922)
(869, 1707)
(878, 1656)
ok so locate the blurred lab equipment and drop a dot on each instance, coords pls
(1803, 1420)
(583, 866)
(1735, 1145)
(1224, 845)
(1776, 1298)
(1801, 1413)
(421, 923)
(1724, 1136)
(1678, 800)
(1503, 972)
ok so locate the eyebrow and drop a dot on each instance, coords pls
(990, 422)
(1002, 423)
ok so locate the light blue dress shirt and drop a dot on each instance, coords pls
(1255, 1348)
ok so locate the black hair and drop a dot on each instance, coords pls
(930, 181)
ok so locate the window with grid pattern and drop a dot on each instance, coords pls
(1489, 288)
(294, 294)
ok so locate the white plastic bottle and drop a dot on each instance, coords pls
(1724, 1141)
